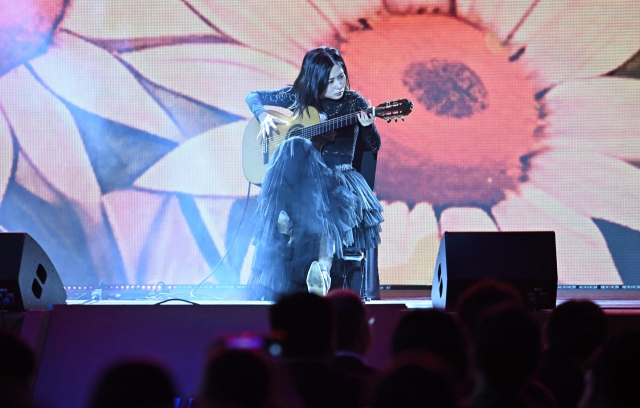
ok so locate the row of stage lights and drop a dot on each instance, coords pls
(129, 287)
(152, 287)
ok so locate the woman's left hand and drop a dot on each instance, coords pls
(365, 118)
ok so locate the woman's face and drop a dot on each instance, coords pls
(336, 83)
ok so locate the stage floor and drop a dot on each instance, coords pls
(620, 299)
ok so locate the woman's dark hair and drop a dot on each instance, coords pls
(313, 78)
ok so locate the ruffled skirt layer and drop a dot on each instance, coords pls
(329, 210)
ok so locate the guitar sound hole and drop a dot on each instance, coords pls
(295, 130)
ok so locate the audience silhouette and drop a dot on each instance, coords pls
(435, 362)
(238, 378)
(17, 365)
(507, 346)
(306, 323)
(353, 334)
(435, 340)
(574, 333)
(412, 386)
(614, 381)
(482, 296)
(134, 384)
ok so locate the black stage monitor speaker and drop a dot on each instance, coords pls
(28, 279)
(526, 260)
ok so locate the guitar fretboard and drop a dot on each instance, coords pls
(328, 125)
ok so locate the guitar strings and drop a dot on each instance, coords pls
(299, 132)
(328, 123)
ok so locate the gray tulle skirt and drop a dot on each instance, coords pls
(322, 203)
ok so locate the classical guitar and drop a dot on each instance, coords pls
(256, 155)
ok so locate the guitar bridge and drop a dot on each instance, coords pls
(265, 150)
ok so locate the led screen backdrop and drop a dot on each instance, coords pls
(121, 123)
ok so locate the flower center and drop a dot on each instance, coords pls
(446, 88)
(471, 132)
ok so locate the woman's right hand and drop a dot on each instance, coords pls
(267, 124)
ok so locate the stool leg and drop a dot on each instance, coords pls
(372, 288)
(363, 280)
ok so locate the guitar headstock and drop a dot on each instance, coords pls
(394, 110)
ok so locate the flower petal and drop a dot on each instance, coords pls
(338, 10)
(287, 31)
(207, 165)
(597, 115)
(582, 252)
(499, 16)
(49, 137)
(95, 81)
(593, 185)
(219, 75)
(460, 219)
(568, 39)
(49, 140)
(245, 270)
(409, 244)
(72, 233)
(159, 245)
(228, 222)
(414, 6)
(121, 208)
(6, 154)
(171, 253)
(215, 214)
(124, 19)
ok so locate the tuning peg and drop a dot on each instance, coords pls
(396, 119)
(402, 119)
(388, 120)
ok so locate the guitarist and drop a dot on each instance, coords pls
(312, 204)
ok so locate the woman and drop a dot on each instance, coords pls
(312, 204)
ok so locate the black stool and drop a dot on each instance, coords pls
(352, 272)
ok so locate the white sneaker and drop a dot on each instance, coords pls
(318, 279)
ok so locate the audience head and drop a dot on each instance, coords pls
(434, 339)
(615, 377)
(507, 347)
(483, 296)
(576, 328)
(237, 378)
(305, 322)
(134, 384)
(17, 366)
(352, 323)
(413, 386)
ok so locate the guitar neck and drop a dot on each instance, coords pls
(331, 124)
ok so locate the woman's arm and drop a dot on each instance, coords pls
(368, 129)
(371, 137)
(256, 100)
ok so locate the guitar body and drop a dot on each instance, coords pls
(256, 154)
(254, 161)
